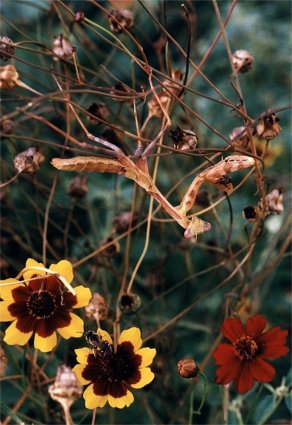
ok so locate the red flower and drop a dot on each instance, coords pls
(243, 361)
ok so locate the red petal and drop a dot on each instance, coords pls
(255, 325)
(223, 354)
(244, 381)
(261, 370)
(232, 329)
(274, 343)
(228, 372)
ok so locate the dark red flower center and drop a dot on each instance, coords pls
(113, 372)
(41, 304)
(246, 348)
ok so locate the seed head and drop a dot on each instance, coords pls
(99, 110)
(78, 187)
(66, 388)
(79, 16)
(129, 303)
(6, 126)
(183, 139)
(97, 308)
(28, 161)
(120, 19)
(9, 77)
(268, 127)
(242, 61)
(6, 48)
(62, 47)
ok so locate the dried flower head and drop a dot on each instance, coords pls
(239, 137)
(97, 308)
(3, 362)
(6, 48)
(122, 221)
(268, 127)
(78, 187)
(120, 19)
(62, 48)
(99, 110)
(6, 126)
(111, 250)
(188, 368)
(129, 303)
(28, 161)
(274, 201)
(9, 77)
(183, 139)
(79, 16)
(251, 214)
(242, 61)
(66, 388)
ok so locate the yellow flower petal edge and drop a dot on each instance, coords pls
(83, 295)
(6, 288)
(121, 402)
(132, 335)
(5, 315)
(82, 355)
(64, 268)
(147, 376)
(45, 344)
(105, 336)
(14, 337)
(30, 262)
(147, 355)
(92, 400)
(78, 369)
(74, 330)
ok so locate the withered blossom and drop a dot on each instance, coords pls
(120, 19)
(28, 161)
(242, 61)
(62, 48)
(97, 308)
(183, 139)
(6, 48)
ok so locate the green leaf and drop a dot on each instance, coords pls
(8, 412)
(265, 408)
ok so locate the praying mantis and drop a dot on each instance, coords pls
(139, 172)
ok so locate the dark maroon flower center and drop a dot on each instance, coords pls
(41, 304)
(113, 372)
(246, 348)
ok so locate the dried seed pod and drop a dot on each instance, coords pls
(251, 214)
(78, 187)
(120, 19)
(3, 362)
(99, 110)
(113, 249)
(97, 308)
(183, 139)
(66, 388)
(9, 77)
(268, 127)
(122, 221)
(28, 161)
(6, 48)
(274, 202)
(79, 16)
(6, 126)
(188, 368)
(129, 303)
(239, 137)
(242, 61)
(62, 48)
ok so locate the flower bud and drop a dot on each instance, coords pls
(129, 303)
(9, 77)
(183, 139)
(78, 187)
(242, 61)
(120, 19)
(6, 48)
(268, 127)
(28, 161)
(62, 47)
(188, 368)
(97, 308)
(79, 16)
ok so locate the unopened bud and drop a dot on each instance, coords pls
(97, 308)
(268, 127)
(242, 61)
(79, 16)
(120, 19)
(62, 47)
(129, 303)
(183, 139)
(28, 161)
(188, 368)
(78, 187)
(6, 48)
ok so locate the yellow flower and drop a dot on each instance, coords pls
(111, 374)
(42, 305)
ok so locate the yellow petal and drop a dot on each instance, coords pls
(6, 290)
(78, 369)
(147, 376)
(92, 400)
(147, 355)
(64, 268)
(74, 330)
(82, 355)
(121, 402)
(83, 296)
(14, 337)
(132, 335)
(104, 335)
(30, 262)
(45, 344)
(5, 315)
